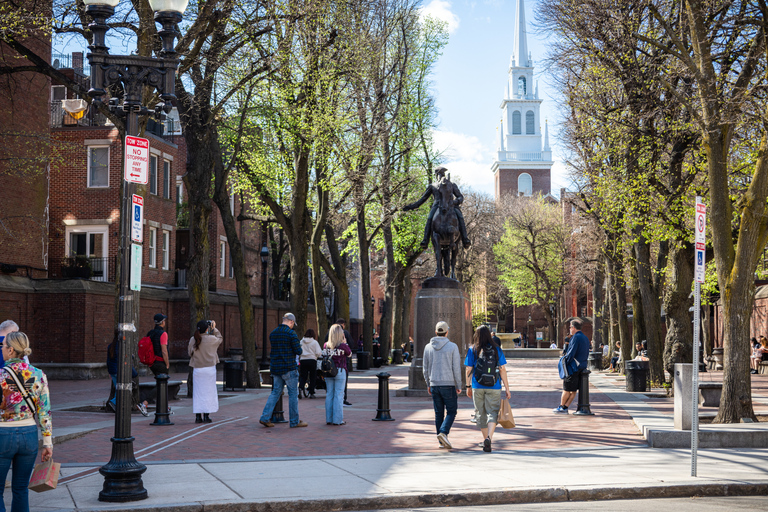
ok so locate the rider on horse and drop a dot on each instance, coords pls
(433, 189)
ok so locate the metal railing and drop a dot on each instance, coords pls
(82, 267)
(60, 118)
(65, 61)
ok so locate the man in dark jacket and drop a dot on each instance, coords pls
(576, 355)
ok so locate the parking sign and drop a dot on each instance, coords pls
(137, 218)
(701, 239)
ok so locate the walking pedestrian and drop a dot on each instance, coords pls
(284, 347)
(203, 358)
(575, 358)
(337, 349)
(442, 373)
(24, 393)
(310, 353)
(113, 358)
(485, 373)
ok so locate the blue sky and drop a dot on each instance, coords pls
(469, 84)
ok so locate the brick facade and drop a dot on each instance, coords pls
(506, 181)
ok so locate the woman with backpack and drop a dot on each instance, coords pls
(485, 372)
(334, 366)
(203, 357)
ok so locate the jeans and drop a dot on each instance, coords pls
(334, 397)
(308, 368)
(113, 401)
(445, 399)
(291, 381)
(18, 448)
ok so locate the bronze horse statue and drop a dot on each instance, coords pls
(445, 232)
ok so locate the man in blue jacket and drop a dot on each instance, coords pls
(576, 356)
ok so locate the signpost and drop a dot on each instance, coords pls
(700, 242)
(137, 218)
(136, 257)
(136, 160)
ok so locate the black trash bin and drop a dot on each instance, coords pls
(397, 356)
(363, 360)
(637, 376)
(234, 375)
(595, 361)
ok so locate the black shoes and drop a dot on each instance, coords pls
(206, 418)
(487, 445)
(198, 418)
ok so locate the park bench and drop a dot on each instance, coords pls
(763, 367)
(147, 390)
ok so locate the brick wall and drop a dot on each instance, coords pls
(506, 181)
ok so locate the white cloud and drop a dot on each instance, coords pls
(467, 159)
(441, 10)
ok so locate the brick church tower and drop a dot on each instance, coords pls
(522, 165)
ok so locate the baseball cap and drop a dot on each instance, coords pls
(159, 318)
(441, 328)
(289, 316)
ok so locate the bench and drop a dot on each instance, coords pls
(710, 393)
(763, 367)
(147, 391)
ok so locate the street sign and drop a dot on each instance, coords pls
(701, 239)
(136, 160)
(137, 218)
(136, 257)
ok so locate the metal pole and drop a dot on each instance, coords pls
(122, 474)
(264, 364)
(695, 384)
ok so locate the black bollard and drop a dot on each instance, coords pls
(162, 416)
(584, 409)
(278, 411)
(382, 413)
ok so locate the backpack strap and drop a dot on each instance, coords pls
(22, 390)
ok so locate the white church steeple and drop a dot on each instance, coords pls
(520, 55)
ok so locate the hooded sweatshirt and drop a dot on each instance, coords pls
(442, 363)
(310, 349)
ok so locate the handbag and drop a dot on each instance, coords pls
(45, 476)
(506, 420)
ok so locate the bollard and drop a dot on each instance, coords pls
(583, 409)
(382, 412)
(161, 418)
(278, 411)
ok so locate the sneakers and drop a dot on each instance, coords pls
(346, 404)
(443, 440)
(142, 408)
(487, 445)
(299, 425)
(267, 424)
(560, 410)
(753, 372)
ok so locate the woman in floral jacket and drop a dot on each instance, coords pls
(18, 429)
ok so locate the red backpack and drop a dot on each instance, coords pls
(146, 351)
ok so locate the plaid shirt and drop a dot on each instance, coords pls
(284, 348)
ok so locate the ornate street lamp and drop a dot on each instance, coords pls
(131, 73)
(264, 253)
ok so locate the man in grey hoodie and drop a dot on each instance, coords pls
(442, 372)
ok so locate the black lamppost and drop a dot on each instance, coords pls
(264, 253)
(129, 74)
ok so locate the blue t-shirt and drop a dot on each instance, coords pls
(469, 362)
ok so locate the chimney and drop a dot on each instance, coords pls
(77, 62)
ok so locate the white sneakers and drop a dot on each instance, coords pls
(443, 440)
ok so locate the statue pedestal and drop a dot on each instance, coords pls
(439, 299)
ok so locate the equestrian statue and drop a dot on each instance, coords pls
(445, 223)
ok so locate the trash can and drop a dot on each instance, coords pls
(637, 376)
(363, 360)
(235, 354)
(595, 361)
(397, 356)
(234, 375)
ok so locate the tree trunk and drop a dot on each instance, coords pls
(638, 315)
(613, 328)
(651, 307)
(337, 273)
(597, 308)
(365, 277)
(678, 345)
(390, 277)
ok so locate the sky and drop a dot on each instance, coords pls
(469, 83)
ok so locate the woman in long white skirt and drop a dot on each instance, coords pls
(203, 358)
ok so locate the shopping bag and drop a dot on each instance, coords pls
(506, 420)
(45, 476)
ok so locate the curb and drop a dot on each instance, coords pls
(467, 498)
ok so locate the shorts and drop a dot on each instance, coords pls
(571, 382)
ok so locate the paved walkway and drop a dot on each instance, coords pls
(235, 462)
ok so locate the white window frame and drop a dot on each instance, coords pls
(222, 259)
(152, 260)
(88, 168)
(166, 250)
(152, 180)
(517, 123)
(231, 268)
(529, 192)
(89, 229)
(179, 192)
(530, 123)
(166, 179)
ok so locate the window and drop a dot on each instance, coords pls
(232, 200)
(222, 258)
(516, 123)
(521, 89)
(98, 166)
(179, 193)
(524, 184)
(58, 93)
(231, 269)
(529, 120)
(166, 249)
(152, 248)
(89, 243)
(153, 174)
(166, 179)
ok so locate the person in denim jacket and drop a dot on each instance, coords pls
(18, 429)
